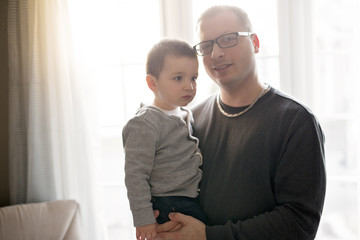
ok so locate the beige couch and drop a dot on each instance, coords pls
(41, 221)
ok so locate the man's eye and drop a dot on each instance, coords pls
(228, 38)
(205, 47)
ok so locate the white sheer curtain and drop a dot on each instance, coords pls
(51, 147)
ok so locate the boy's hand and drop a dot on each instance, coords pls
(146, 232)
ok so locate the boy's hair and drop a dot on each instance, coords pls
(158, 53)
(240, 13)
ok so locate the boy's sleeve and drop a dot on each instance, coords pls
(139, 141)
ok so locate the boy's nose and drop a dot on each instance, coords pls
(189, 85)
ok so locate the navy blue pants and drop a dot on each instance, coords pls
(186, 205)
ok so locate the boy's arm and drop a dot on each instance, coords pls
(139, 141)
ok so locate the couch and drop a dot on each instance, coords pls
(53, 220)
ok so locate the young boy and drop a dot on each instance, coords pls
(162, 158)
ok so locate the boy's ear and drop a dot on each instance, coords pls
(151, 82)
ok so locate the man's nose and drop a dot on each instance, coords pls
(217, 51)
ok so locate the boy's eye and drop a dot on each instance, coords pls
(194, 78)
(178, 78)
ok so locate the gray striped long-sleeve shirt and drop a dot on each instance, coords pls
(162, 158)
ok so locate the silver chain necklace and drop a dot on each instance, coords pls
(232, 115)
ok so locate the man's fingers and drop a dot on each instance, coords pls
(156, 213)
(167, 227)
(178, 217)
(178, 226)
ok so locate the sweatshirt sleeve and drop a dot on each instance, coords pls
(139, 141)
(299, 191)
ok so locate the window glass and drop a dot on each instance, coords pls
(113, 38)
(336, 25)
(336, 59)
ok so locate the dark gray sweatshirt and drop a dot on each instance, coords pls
(264, 171)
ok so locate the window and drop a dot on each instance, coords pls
(309, 49)
(113, 38)
(336, 101)
(129, 33)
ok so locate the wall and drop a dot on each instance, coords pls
(4, 106)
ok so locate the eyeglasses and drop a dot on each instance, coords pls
(224, 41)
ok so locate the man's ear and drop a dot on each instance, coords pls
(151, 82)
(255, 42)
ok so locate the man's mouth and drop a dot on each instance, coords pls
(221, 67)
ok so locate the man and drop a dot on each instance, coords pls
(263, 171)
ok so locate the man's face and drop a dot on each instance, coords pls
(228, 67)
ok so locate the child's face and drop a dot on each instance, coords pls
(176, 84)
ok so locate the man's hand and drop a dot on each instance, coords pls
(168, 226)
(190, 228)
